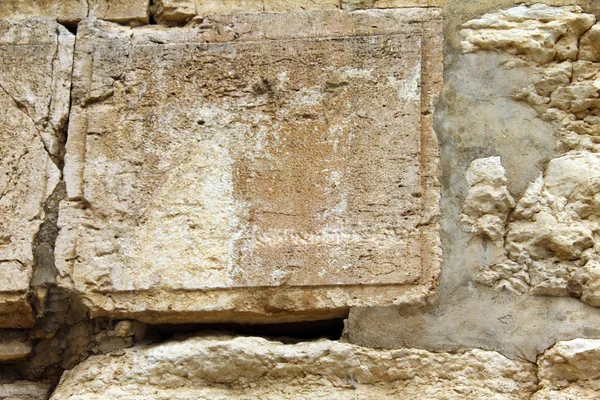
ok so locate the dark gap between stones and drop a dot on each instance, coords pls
(291, 332)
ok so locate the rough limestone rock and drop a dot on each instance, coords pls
(488, 200)
(589, 45)
(539, 32)
(551, 237)
(567, 94)
(550, 241)
(35, 78)
(552, 231)
(223, 155)
(570, 370)
(565, 42)
(133, 12)
(238, 368)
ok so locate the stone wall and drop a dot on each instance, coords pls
(294, 199)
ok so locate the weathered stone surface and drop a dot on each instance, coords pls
(134, 12)
(570, 370)
(589, 45)
(550, 243)
(540, 33)
(301, 173)
(172, 12)
(237, 368)
(35, 77)
(479, 116)
(551, 235)
(24, 390)
(488, 200)
(566, 93)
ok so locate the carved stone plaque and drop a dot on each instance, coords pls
(271, 166)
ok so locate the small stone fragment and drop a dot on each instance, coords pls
(488, 200)
(124, 329)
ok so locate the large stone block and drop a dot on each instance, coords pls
(258, 165)
(134, 12)
(254, 368)
(35, 71)
(172, 12)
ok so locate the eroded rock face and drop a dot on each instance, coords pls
(539, 32)
(552, 229)
(232, 368)
(488, 200)
(570, 370)
(550, 239)
(35, 78)
(279, 168)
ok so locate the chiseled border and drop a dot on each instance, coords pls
(276, 304)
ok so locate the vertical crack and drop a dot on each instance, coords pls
(44, 268)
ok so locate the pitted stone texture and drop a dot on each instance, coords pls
(539, 33)
(570, 370)
(567, 94)
(35, 69)
(550, 242)
(302, 173)
(238, 368)
(488, 200)
(133, 12)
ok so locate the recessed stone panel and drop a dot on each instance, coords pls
(267, 166)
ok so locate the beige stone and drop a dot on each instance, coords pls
(173, 12)
(570, 370)
(538, 32)
(488, 200)
(550, 240)
(134, 12)
(179, 10)
(25, 390)
(301, 173)
(240, 368)
(35, 69)
(589, 46)
(130, 12)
